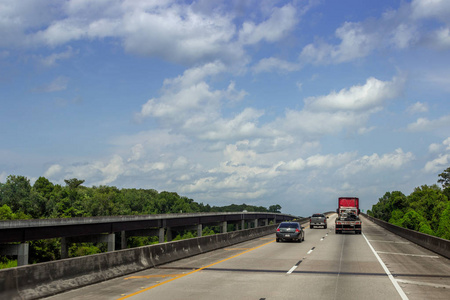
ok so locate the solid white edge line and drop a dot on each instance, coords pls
(394, 282)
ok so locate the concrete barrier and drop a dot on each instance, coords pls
(435, 244)
(50, 278)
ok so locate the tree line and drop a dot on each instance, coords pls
(426, 209)
(19, 199)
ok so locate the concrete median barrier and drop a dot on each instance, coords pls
(50, 278)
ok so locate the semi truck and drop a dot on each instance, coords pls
(348, 215)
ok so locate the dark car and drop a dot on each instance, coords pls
(290, 231)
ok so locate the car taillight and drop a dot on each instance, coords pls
(278, 229)
(296, 230)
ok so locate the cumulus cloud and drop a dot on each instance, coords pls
(438, 164)
(442, 160)
(53, 59)
(58, 84)
(377, 163)
(371, 95)
(53, 171)
(272, 64)
(281, 21)
(397, 29)
(417, 107)
(424, 124)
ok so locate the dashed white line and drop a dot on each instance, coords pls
(424, 283)
(393, 242)
(406, 254)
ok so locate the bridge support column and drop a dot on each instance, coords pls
(20, 250)
(169, 234)
(256, 223)
(161, 235)
(242, 224)
(111, 241)
(223, 227)
(199, 230)
(123, 239)
(64, 248)
(266, 222)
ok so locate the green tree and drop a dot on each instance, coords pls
(445, 178)
(275, 208)
(16, 192)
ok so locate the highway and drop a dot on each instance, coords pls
(374, 265)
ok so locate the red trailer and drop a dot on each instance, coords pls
(348, 215)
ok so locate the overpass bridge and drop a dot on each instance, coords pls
(378, 264)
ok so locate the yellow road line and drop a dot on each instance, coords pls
(152, 276)
(192, 272)
(230, 249)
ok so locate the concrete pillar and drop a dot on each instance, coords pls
(19, 250)
(123, 239)
(256, 223)
(266, 222)
(22, 255)
(199, 230)
(111, 242)
(242, 224)
(169, 234)
(223, 227)
(161, 235)
(64, 248)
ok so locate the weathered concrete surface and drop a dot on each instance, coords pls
(45, 279)
(435, 244)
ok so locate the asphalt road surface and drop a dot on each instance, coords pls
(374, 265)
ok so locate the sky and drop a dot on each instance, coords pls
(259, 102)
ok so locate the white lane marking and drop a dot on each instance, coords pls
(393, 242)
(424, 283)
(394, 282)
(292, 270)
(310, 251)
(406, 254)
(321, 239)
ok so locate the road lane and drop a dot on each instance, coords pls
(325, 265)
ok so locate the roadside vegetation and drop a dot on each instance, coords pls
(426, 209)
(44, 200)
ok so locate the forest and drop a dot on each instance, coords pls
(426, 209)
(19, 199)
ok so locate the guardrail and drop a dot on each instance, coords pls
(50, 278)
(435, 244)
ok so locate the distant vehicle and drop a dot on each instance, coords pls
(318, 220)
(348, 215)
(290, 231)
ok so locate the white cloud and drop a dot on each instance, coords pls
(356, 42)
(58, 84)
(136, 152)
(281, 21)
(431, 9)
(369, 96)
(423, 124)
(52, 59)
(376, 163)
(417, 107)
(272, 64)
(438, 164)
(53, 171)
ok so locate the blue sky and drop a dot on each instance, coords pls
(259, 102)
